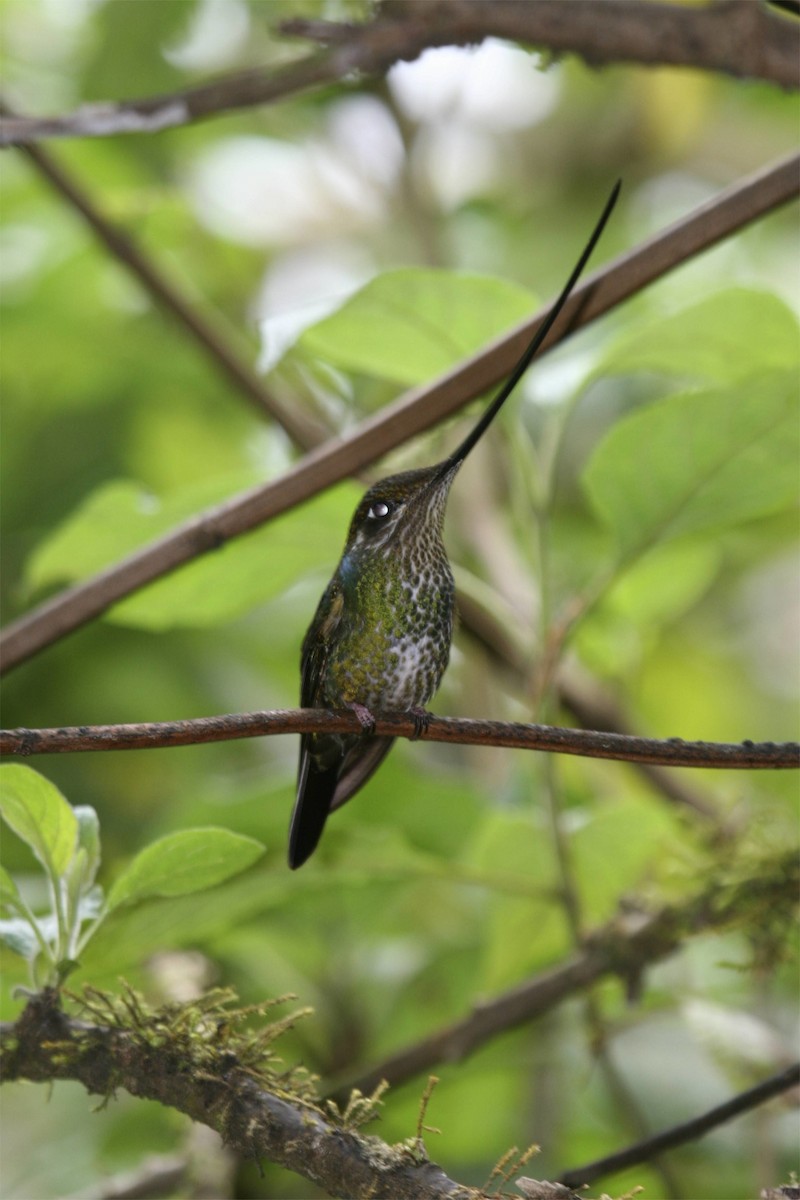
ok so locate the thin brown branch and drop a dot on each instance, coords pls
(674, 752)
(409, 415)
(44, 1045)
(205, 333)
(624, 948)
(735, 37)
(688, 1131)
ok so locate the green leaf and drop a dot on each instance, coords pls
(512, 844)
(666, 583)
(217, 587)
(9, 892)
(37, 812)
(89, 842)
(131, 932)
(143, 67)
(189, 861)
(613, 852)
(18, 935)
(412, 324)
(74, 882)
(116, 519)
(716, 339)
(697, 461)
(655, 592)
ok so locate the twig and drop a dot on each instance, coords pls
(674, 752)
(736, 37)
(166, 293)
(623, 948)
(411, 414)
(688, 1131)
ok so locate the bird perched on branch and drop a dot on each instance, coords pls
(380, 638)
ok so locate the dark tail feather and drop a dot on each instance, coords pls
(315, 791)
(360, 763)
(320, 790)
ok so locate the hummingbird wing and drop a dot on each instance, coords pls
(331, 768)
(320, 756)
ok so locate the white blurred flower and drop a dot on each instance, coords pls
(260, 191)
(494, 86)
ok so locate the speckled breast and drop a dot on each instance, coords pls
(394, 645)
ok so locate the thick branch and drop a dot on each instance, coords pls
(674, 752)
(736, 37)
(688, 1131)
(44, 1044)
(411, 414)
(624, 948)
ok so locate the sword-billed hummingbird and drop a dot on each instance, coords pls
(380, 638)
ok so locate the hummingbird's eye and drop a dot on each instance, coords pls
(379, 510)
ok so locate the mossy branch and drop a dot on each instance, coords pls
(222, 1078)
(207, 1059)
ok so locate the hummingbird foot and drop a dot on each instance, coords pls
(365, 717)
(422, 719)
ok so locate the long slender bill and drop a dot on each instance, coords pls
(457, 457)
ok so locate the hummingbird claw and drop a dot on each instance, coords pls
(365, 717)
(422, 719)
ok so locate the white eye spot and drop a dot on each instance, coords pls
(379, 511)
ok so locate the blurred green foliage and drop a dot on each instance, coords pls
(642, 477)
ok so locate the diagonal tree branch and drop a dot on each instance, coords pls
(736, 37)
(688, 1131)
(624, 948)
(674, 752)
(411, 414)
(44, 1044)
(206, 334)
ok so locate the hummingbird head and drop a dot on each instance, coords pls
(405, 507)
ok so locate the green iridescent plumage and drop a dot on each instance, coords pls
(397, 598)
(380, 638)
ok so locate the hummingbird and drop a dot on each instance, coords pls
(380, 638)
